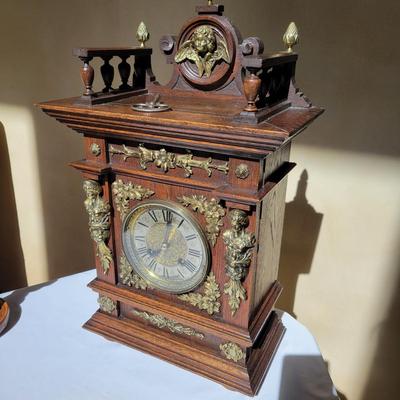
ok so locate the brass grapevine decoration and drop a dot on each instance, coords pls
(204, 49)
(239, 245)
(125, 192)
(162, 322)
(106, 304)
(129, 277)
(99, 221)
(232, 351)
(166, 161)
(212, 212)
(208, 301)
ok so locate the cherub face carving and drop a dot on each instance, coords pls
(204, 49)
(204, 40)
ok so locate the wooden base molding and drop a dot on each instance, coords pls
(244, 377)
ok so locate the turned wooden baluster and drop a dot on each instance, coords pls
(251, 86)
(125, 71)
(107, 72)
(87, 75)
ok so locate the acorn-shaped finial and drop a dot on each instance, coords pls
(291, 37)
(142, 34)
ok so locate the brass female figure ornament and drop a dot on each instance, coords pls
(99, 221)
(239, 245)
(204, 49)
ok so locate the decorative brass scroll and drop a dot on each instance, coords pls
(211, 210)
(232, 351)
(204, 49)
(239, 245)
(124, 192)
(106, 304)
(99, 221)
(129, 277)
(166, 161)
(207, 301)
(162, 322)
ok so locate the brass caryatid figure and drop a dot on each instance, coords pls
(239, 245)
(99, 221)
(204, 49)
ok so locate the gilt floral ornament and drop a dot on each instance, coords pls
(204, 49)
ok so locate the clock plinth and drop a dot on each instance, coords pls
(186, 206)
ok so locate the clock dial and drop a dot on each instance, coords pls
(166, 246)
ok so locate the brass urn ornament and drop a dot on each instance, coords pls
(186, 205)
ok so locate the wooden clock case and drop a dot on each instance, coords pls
(222, 149)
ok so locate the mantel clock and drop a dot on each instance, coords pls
(184, 188)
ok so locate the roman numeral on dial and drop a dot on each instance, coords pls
(194, 253)
(189, 265)
(142, 251)
(190, 237)
(153, 264)
(167, 216)
(153, 215)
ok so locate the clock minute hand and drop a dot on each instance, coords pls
(166, 235)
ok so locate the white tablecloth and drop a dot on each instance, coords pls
(46, 355)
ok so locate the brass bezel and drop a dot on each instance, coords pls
(154, 280)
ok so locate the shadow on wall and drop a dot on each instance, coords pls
(300, 234)
(383, 381)
(306, 377)
(12, 264)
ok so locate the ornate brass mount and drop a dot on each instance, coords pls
(99, 221)
(162, 322)
(212, 212)
(239, 245)
(125, 192)
(128, 276)
(208, 301)
(232, 351)
(291, 37)
(106, 304)
(204, 49)
(166, 161)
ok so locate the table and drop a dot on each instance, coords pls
(46, 355)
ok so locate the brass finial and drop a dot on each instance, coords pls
(210, 2)
(291, 37)
(142, 34)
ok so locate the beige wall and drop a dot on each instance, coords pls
(340, 259)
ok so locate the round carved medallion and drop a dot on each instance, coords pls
(206, 53)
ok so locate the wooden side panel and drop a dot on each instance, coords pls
(272, 211)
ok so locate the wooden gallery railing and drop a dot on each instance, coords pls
(131, 83)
